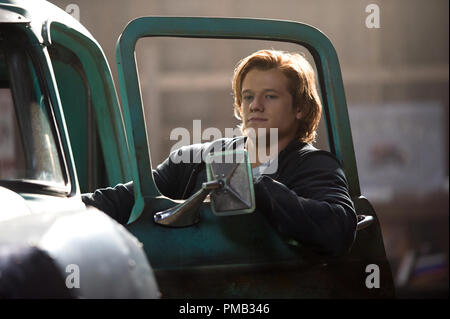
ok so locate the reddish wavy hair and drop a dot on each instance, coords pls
(302, 86)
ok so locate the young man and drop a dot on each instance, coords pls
(306, 198)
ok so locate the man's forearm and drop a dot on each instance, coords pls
(116, 202)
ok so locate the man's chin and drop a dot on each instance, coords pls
(257, 133)
(257, 128)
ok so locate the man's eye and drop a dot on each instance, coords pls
(248, 98)
(271, 97)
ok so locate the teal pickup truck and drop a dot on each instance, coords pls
(65, 134)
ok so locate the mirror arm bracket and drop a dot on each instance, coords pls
(187, 213)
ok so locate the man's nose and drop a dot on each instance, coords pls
(256, 105)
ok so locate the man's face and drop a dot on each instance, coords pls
(267, 103)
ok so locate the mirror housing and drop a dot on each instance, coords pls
(237, 196)
(231, 182)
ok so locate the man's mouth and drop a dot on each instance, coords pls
(257, 119)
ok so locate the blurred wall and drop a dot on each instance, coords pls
(396, 83)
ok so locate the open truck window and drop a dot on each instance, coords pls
(189, 99)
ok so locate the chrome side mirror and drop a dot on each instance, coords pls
(237, 195)
(231, 182)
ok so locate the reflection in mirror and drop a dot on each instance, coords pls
(237, 195)
(231, 183)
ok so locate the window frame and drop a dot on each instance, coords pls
(21, 41)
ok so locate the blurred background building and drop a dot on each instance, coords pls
(396, 81)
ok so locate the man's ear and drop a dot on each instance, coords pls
(299, 114)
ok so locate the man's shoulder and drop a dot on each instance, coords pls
(307, 151)
(306, 161)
